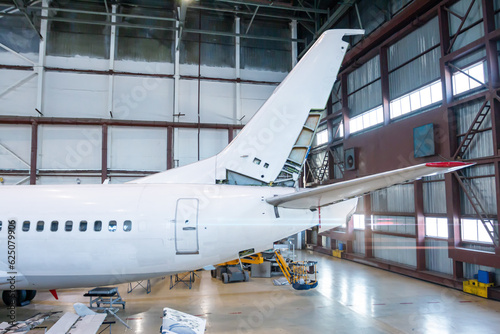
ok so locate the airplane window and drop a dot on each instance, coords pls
(39, 226)
(54, 226)
(69, 226)
(26, 226)
(83, 226)
(97, 225)
(127, 226)
(0, 225)
(112, 226)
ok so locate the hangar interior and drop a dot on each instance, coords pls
(100, 89)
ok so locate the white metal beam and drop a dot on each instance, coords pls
(237, 64)
(18, 83)
(17, 54)
(14, 154)
(112, 51)
(41, 58)
(293, 32)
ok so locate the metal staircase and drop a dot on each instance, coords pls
(323, 168)
(473, 130)
(298, 155)
(472, 196)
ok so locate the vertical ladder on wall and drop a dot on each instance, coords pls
(473, 130)
(471, 195)
(323, 168)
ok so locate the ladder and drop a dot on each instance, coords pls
(323, 168)
(471, 195)
(472, 131)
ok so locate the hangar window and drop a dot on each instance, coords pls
(54, 226)
(367, 119)
(417, 99)
(26, 226)
(474, 230)
(436, 227)
(69, 226)
(112, 226)
(83, 226)
(359, 221)
(127, 226)
(469, 78)
(39, 226)
(97, 225)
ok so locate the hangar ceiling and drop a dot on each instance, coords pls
(312, 16)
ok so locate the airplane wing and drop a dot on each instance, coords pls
(26, 325)
(179, 322)
(330, 194)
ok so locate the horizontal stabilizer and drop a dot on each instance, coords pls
(326, 195)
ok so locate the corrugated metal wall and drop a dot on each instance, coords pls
(482, 144)
(436, 256)
(469, 35)
(483, 187)
(358, 244)
(398, 198)
(369, 96)
(394, 224)
(434, 195)
(424, 69)
(395, 249)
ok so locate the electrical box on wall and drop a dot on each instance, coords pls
(423, 141)
(350, 159)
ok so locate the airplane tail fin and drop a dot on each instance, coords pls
(278, 137)
(274, 144)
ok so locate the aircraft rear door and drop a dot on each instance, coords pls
(186, 226)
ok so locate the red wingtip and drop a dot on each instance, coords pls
(448, 164)
(54, 293)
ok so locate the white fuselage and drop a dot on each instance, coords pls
(174, 228)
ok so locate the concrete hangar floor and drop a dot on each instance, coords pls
(350, 298)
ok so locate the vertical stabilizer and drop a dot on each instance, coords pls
(262, 147)
(273, 140)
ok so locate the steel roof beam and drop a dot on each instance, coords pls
(250, 13)
(265, 4)
(79, 11)
(21, 6)
(194, 31)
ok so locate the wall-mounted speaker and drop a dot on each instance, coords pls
(350, 159)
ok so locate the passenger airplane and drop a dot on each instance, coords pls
(190, 217)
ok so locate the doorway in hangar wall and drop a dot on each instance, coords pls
(186, 226)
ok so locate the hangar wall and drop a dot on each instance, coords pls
(435, 62)
(78, 105)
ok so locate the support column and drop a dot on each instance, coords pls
(384, 80)
(34, 152)
(237, 65)
(112, 51)
(491, 45)
(368, 226)
(41, 58)
(420, 223)
(293, 31)
(104, 153)
(176, 113)
(170, 147)
(345, 106)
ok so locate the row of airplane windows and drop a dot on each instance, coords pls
(68, 226)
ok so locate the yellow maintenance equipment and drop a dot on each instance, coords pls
(301, 274)
(477, 288)
(252, 259)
